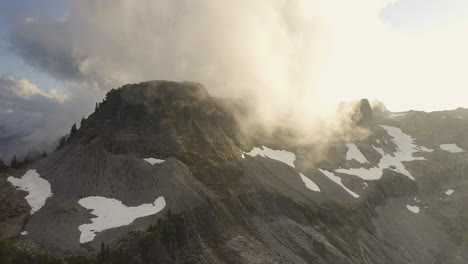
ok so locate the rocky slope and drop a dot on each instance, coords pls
(398, 195)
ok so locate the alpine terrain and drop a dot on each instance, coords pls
(162, 172)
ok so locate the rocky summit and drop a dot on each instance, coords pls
(162, 172)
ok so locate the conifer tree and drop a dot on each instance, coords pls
(73, 130)
(14, 162)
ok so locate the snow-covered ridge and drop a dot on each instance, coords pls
(452, 148)
(153, 161)
(286, 157)
(111, 213)
(38, 188)
(405, 150)
(354, 153)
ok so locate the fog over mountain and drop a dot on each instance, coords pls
(293, 60)
(163, 172)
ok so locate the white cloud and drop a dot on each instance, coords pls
(23, 89)
(368, 57)
(312, 53)
(292, 58)
(34, 118)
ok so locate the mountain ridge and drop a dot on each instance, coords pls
(225, 203)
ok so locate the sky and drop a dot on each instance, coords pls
(296, 58)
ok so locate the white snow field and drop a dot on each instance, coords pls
(286, 157)
(452, 148)
(413, 209)
(38, 188)
(111, 213)
(153, 161)
(337, 180)
(279, 155)
(309, 183)
(449, 192)
(354, 153)
(405, 150)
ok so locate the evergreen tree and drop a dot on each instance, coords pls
(27, 159)
(3, 166)
(14, 163)
(73, 130)
(62, 142)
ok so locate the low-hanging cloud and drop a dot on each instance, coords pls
(264, 49)
(290, 58)
(31, 118)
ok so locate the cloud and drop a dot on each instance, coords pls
(310, 52)
(261, 49)
(292, 59)
(31, 117)
(21, 89)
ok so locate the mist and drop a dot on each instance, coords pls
(292, 60)
(31, 120)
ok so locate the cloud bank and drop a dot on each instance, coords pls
(32, 119)
(261, 49)
(292, 58)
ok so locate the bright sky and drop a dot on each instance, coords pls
(11, 64)
(409, 54)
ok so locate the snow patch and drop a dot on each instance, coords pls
(355, 153)
(309, 183)
(153, 161)
(449, 192)
(363, 173)
(111, 213)
(38, 188)
(452, 148)
(413, 209)
(279, 155)
(286, 157)
(24, 233)
(405, 150)
(337, 180)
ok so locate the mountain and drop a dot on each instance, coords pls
(162, 172)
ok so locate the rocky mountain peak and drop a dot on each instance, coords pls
(363, 114)
(161, 118)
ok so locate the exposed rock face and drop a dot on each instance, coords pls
(363, 115)
(14, 210)
(164, 119)
(224, 206)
